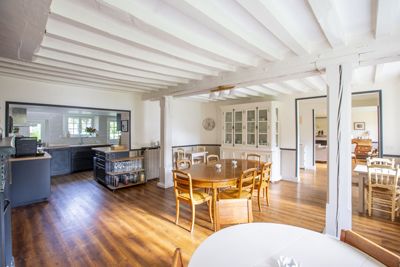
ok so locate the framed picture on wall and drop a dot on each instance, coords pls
(124, 126)
(359, 126)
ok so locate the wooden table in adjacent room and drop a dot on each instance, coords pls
(263, 244)
(207, 176)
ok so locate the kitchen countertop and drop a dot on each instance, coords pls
(45, 156)
(5, 142)
(68, 146)
(109, 150)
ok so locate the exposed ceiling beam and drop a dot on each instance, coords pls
(80, 13)
(328, 19)
(275, 87)
(208, 14)
(295, 86)
(250, 91)
(56, 74)
(59, 29)
(262, 89)
(79, 50)
(50, 78)
(311, 84)
(110, 67)
(93, 72)
(384, 17)
(263, 12)
(318, 82)
(162, 23)
(361, 54)
(377, 72)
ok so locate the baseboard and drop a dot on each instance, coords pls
(165, 186)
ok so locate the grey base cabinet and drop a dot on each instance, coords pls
(60, 161)
(30, 181)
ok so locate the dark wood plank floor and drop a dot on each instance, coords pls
(84, 224)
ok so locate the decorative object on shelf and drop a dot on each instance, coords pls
(91, 131)
(124, 126)
(208, 124)
(359, 126)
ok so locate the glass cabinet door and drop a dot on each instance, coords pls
(263, 127)
(251, 127)
(238, 127)
(228, 127)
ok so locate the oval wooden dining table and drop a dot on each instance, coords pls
(207, 176)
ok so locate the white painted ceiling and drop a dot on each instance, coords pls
(187, 47)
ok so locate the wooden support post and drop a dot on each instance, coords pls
(338, 208)
(166, 142)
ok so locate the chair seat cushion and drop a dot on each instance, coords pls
(197, 196)
(233, 193)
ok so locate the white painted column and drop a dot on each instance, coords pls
(166, 142)
(338, 208)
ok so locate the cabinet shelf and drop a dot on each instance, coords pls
(124, 185)
(127, 158)
(124, 172)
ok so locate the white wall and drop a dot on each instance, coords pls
(306, 131)
(390, 113)
(30, 91)
(187, 123)
(145, 124)
(368, 115)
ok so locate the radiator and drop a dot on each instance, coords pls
(152, 163)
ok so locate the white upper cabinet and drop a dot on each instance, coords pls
(253, 125)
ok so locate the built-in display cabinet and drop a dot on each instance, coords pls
(252, 128)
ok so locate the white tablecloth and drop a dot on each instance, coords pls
(261, 244)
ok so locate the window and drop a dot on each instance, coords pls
(113, 132)
(36, 131)
(77, 125)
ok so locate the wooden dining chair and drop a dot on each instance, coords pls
(262, 183)
(367, 246)
(180, 154)
(212, 158)
(184, 192)
(233, 211)
(381, 161)
(253, 156)
(383, 189)
(183, 164)
(177, 258)
(245, 186)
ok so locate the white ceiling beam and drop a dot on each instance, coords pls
(262, 89)
(328, 19)
(264, 13)
(79, 50)
(311, 83)
(277, 88)
(59, 29)
(207, 13)
(294, 85)
(165, 24)
(75, 72)
(82, 14)
(249, 91)
(42, 61)
(62, 75)
(317, 81)
(137, 75)
(41, 77)
(110, 67)
(367, 53)
(384, 17)
(377, 72)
